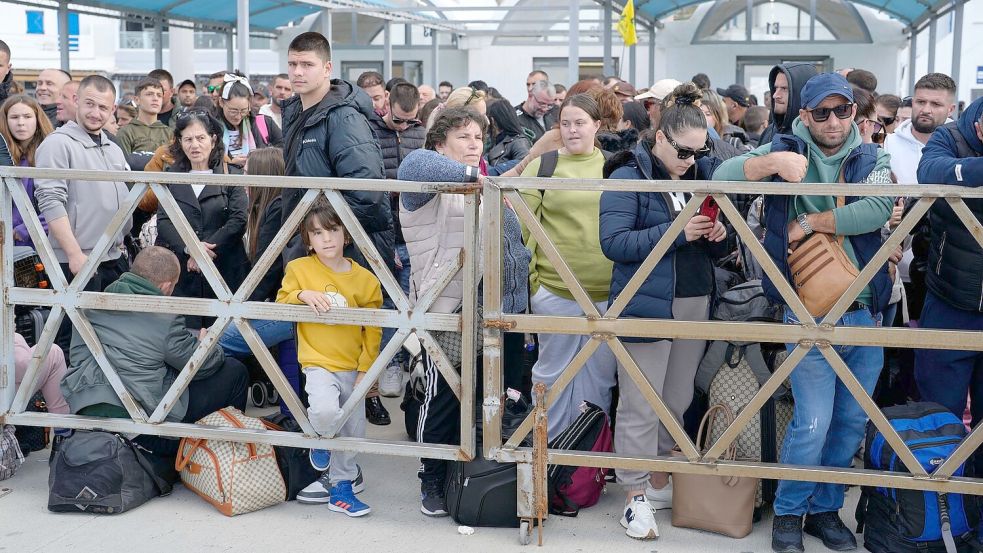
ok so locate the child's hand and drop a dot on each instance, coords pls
(316, 300)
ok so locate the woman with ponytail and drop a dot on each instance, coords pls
(680, 287)
(243, 132)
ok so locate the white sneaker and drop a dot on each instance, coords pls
(661, 498)
(391, 381)
(639, 519)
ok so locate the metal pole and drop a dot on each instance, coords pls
(652, 55)
(912, 52)
(434, 57)
(812, 20)
(63, 34)
(632, 77)
(608, 62)
(230, 54)
(957, 46)
(573, 58)
(242, 24)
(749, 20)
(387, 51)
(932, 39)
(407, 34)
(159, 43)
(7, 376)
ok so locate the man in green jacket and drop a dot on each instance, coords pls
(148, 350)
(828, 424)
(146, 133)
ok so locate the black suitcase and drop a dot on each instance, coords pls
(483, 492)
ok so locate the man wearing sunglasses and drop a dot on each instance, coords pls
(828, 424)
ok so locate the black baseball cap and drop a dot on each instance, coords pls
(188, 82)
(737, 93)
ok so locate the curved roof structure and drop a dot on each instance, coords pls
(911, 12)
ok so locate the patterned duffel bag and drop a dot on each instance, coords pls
(235, 477)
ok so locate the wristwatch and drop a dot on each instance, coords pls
(803, 221)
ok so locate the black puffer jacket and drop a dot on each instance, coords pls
(395, 145)
(620, 141)
(5, 86)
(336, 141)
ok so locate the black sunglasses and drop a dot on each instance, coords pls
(475, 94)
(842, 111)
(686, 153)
(887, 121)
(401, 121)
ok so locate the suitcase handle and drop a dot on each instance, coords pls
(731, 453)
(182, 460)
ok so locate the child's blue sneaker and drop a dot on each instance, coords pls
(343, 500)
(320, 459)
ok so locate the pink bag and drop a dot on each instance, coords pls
(573, 488)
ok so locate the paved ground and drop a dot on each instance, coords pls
(183, 522)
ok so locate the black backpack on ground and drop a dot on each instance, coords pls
(483, 492)
(915, 521)
(294, 462)
(100, 472)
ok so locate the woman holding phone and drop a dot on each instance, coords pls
(680, 287)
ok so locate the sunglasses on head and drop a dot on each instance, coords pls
(475, 94)
(686, 153)
(842, 111)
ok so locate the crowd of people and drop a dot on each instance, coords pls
(811, 127)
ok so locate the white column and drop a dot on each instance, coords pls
(607, 38)
(434, 58)
(387, 52)
(63, 34)
(181, 49)
(242, 24)
(932, 39)
(159, 44)
(230, 52)
(912, 60)
(957, 45)
(573, 58)
(651, 58)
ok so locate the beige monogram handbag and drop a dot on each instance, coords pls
(234, 477)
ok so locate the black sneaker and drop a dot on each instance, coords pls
(432, 500)
(786, 534)
(375, 412)
(829, 528)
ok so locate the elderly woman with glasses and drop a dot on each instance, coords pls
(217, 214)
(680, 287)
(243, 132)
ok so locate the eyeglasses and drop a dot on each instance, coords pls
(686, 153)
(842, 111)
(887, 121)
(401, 121)
(243, 112)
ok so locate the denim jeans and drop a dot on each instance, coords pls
(948, 376)
(828, 424)
(403, 277)
(271, 332)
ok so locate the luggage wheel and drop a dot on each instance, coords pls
(525, 532)
(272, 395)
(257, 394)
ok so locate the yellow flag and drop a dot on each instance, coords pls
(626, 26)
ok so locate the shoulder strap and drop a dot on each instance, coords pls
(547, 164)
(264, 131)
(163, 487)
(841, 200)
(962, 147)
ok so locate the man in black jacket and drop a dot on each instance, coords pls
(785, 83)
(535, 114)
(6, 75)
(327, 134)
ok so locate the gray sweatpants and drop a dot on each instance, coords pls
(670, 366)
(327, 391)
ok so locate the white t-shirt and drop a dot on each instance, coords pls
(199, 187)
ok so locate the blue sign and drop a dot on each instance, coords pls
(35, 22)
(979, 74)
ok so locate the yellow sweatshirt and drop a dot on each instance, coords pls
(334, 347)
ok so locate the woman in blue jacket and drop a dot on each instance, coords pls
(680, 287)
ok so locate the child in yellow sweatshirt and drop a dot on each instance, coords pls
(334, 357)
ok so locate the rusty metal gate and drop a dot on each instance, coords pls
(231, 307)
(608, 328)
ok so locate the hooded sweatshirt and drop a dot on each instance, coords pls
(797, 73)
(146, 349)
(89, 205)
(860, 217)
(141, 137)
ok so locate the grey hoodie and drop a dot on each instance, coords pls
(89, 205)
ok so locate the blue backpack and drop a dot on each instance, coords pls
(899, 521)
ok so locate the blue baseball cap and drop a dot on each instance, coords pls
(823, 86)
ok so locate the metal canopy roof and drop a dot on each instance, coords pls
(911, 12)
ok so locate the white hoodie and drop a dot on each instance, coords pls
(906, 152)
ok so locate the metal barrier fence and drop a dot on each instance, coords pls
(231, 307)
(485, 226)
(608, 328)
